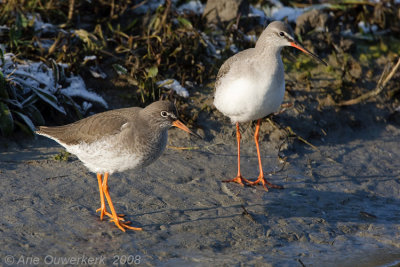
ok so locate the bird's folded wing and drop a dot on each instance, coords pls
(226, 67)
(87, 130)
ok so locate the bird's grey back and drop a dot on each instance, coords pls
(91, 128)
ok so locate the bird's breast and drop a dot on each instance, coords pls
(107, 154)
(251, 95)
(153, 147)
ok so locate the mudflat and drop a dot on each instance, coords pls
(339, 207)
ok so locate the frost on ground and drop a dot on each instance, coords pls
(194, 6)
(25, 86)
(37, 77)
(174, 85)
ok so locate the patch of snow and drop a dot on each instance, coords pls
(278, 11)
(194, 6)
(276, 3)
(63, 65)
(86, 106)
(291, 13)
(346, 32)
(211, 49)
(43, 27)
(40, 26)
(233, 48)
(149, 6)
(320, 29)
(189, 83)
(89, 58)
(367, 28)
(4, 29)
(250, 38)
(39, 78)
(256, 12)
(97, 72)
(174, 85)
(365, 31)
(35, 74)
(44, 43)
(77, 88)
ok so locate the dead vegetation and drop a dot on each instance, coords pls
(107, 41)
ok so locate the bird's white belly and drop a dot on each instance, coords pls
(244, 99)
(105, 156)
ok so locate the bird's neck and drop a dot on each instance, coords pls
(269, 51)
(270, 56)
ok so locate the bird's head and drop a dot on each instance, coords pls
(280, 34)
(164, 115)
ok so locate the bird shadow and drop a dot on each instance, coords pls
(327, 207)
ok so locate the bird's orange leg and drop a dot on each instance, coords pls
(238, 179)
(114, 216)
(261, 178)
(102, 209)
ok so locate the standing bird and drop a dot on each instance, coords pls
(115, 141)
(250, 85)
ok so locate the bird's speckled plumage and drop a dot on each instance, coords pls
(117, 140)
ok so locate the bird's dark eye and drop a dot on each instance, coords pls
(282, 34)
(164, 113)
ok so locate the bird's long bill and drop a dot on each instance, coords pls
(182, 126)
(301, 48)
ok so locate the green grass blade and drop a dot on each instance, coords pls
(6, 120)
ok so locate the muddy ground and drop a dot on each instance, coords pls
(339, 207)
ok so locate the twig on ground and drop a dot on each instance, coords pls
(291, 133)
(56, 177)
(247, 214)
(302, 264)
(71, 10)
(383, 80)
(183, 148)
(367, 215)
(284, 107)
